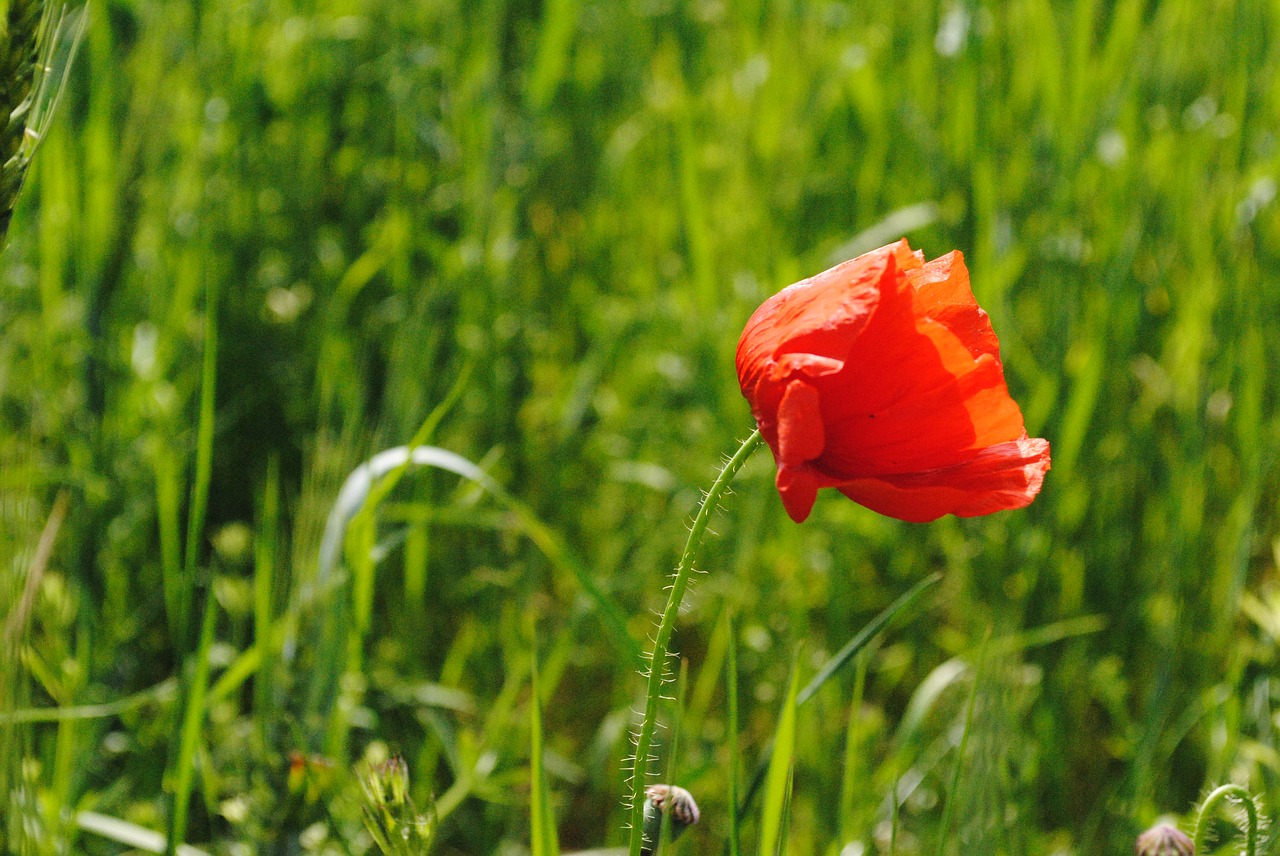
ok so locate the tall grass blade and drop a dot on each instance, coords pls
(895, 808)
(182, 767)
(542, 818)
(264, 577)
(777, 789)
(15, 623)
(735, 763)
(554, 39)
(199, 499)
(854, 752)
(168, 499)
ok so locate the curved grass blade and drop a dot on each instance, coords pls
(947, 673)
(160, 693)
(359, 485)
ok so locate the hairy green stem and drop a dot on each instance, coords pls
(658, 657)
(1227, 792)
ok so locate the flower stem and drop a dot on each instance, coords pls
(658, 658)
(1235, 793)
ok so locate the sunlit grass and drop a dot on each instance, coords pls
(261, 242)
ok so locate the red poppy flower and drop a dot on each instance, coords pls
(882, 378)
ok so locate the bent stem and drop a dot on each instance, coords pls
(658, 657)
(1234, 793)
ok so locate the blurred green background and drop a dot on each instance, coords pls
(264, 239)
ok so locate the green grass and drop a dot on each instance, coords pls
(262, 241)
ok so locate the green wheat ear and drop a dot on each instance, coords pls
(36, 49)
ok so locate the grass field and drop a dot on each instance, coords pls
(264, 240)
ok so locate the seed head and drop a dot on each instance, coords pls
(1164, 840)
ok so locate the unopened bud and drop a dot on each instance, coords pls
(389, 813)
(1164, 840)
(672, 801)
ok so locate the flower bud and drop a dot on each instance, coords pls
(389, 812)
(670, 800)
(1164, 840)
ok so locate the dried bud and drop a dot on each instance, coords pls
(670, 800)
(1164, 840)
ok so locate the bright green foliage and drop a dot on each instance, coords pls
(261, 240)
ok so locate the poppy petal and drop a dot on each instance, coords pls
(943, 294)
(1003, 476)
(801, 436)
(798, 487)
(808, 365)
(992, 412)
(913, 397)
(898, 405)
(819, 317)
